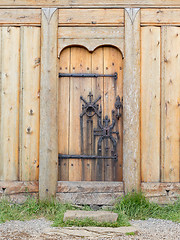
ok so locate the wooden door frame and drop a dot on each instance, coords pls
(48, 166)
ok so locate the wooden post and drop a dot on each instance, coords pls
(131, 95)
(48, 168)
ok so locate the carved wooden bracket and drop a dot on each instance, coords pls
(132, 12)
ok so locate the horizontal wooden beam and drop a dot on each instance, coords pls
(90, 3)
(96, 192)
(92, 17)
(90, 32)
(161, 192)
(160, 17)
(20, 17)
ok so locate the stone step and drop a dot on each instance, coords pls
(99, 216)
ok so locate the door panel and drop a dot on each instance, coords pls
(82, 138)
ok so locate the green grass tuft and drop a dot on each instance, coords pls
(135, 206)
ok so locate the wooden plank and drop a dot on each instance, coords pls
(10, 101)
(1, 157)
(91, 32)
(150, 104)
(160, 16)
(91, 17)
(162, 193)
(112, 88)
(98, 90)
(80, 62)
(16, 187)
(48, 158)
(89, 187)
(20, 16)
(89, 3)
(63, 113)
(30, 48)
(170, 99)
(93, 44)
(131, 101)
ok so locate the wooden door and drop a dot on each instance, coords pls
(88, 121)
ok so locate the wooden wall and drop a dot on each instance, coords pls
(158, 31)
(19, 101)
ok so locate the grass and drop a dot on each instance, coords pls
(132, 206)
(136, 206)
(51, 210)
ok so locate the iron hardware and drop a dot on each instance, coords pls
(119, 106)
(66, 156)
(88, 75)
(103, 135)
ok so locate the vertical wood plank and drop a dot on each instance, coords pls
(30, 77)
(131, 93)
(170, 110)
(1, 157)
(150, 104)
(63, 113)
(48, 172)
(98, 90)
(112, 88)
(80, 62)
(10, 101)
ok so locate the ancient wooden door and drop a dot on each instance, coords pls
(90, 114)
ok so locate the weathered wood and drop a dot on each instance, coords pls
(30, 78)
(170, 99)
(98, 90)
(89, 187)
(89, 3)
(160, 16)
(92, 44)
(1, 157)
(161, 193)
(63, 113)
(150, 104)
(80, 63)
(91, 32)
(92, 17)
(16, 187)
(20, 16)
(131, 101)
(48, 105)
(10, 70)
(113, 63)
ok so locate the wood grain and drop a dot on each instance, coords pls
(30, 67)
(131, 101)
(170, 111)
(20, 16)
(92, 17)
(63, 113)
(80, 63)
(150, 104)
(160, 16)
(10, 57)
(89, 3)
(48, 171)
(92, 44)
(91, 32)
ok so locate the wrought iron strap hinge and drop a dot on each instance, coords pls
(88, 75)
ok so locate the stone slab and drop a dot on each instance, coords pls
(90, 232)
(99, 216)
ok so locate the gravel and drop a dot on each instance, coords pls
(40, 229)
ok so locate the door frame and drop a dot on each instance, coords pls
(48, 162)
